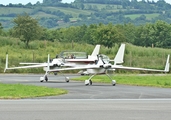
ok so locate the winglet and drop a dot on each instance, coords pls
(96, 50)
(6, 64)
(120, 55)
(48, 67)
(167, 64)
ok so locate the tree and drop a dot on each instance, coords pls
(162, 34)
(26, 28)
(51, 2)
(66, 18)
(1, 28)
(158, 34)
(128, 30)
(108, 35)
(90, 33)
(145, 35)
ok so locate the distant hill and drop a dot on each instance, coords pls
(54, 14)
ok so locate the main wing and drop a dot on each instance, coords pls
(22, 63)
(83, 67)
(109, 66)
(144, 69)
(29, 66)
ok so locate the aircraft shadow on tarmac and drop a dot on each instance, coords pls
(79, 83)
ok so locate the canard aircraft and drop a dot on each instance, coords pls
(64, 59)
(102, 65)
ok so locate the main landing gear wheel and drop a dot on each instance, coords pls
(43, 78)
(88, 82)
(67, 79)
(46, 78)
(55, 73)
(113, 82)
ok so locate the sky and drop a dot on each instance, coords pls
(6, 2)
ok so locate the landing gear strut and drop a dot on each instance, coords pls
(113, 81)
(89, 82)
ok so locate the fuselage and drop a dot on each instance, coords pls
(64, 62)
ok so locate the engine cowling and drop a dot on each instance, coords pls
(107, 65)
(57, 62)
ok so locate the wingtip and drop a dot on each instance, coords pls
(6, 64)
(167, 64)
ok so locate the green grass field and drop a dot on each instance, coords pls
(148, 16)
(154, 80)
(18, 91)
(102, 6)
(72, 11)
(39, 15)
(9, 10)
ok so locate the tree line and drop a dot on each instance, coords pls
(113, 11)
(156, 34)
(160, 4)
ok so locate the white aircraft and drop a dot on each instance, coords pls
(102, 65)
(65, 59)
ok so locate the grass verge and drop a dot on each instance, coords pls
(18, 91)
(155, 80)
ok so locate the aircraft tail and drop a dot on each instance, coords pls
(96, 50)
(167, 64)
(120, 55)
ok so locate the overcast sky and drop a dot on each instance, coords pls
(6, 2)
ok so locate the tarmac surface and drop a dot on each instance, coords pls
(77, 90)
(85, 109)
(99, 101)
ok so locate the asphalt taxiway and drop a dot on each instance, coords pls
(76, 109)
(99, 101)
(77, 90)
